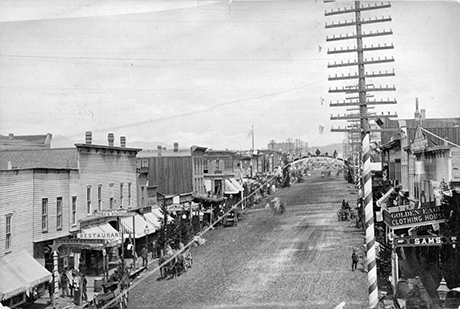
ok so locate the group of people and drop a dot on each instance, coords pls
(70, 280)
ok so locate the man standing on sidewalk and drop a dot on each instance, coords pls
(354, 260)
(145, 257)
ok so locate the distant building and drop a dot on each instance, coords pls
(176, 175)
(417, 160)
(12, 142)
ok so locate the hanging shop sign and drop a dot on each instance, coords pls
(78, 241)
(112, 213)
(96, 235)
(413, 217)
(416, 241)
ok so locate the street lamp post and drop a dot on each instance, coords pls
(146, 232)
(442, 292)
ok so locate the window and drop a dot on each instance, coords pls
(99, 197)
(8, 232)
(121, 194)
(59, 213)
(74, 210)
(205, 166)
(111, 203)
(145, 163)
(88, 200)
(44, 215)
(129, 194)
(142, 196)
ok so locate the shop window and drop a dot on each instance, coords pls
(59, 213)
(99, 197)
(74, 210)
(8, 232)
(88, 200)
(45, 215)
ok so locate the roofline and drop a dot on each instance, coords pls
(41, 168)
(108, 147)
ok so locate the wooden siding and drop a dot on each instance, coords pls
(16, 190)
(103, 168)
(172, 175)
(52, 184)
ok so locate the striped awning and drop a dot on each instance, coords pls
(19, 273)
(139, 227)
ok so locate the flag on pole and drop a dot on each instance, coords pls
(322, 100)
(321, 129)
(319, 48)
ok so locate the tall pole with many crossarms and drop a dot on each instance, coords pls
(359, 97)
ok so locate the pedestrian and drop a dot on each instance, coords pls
(145, 258)
(114, 277)
(64, 283)
(84, 282)
(76, 283)
(354, 260)
(69, 274)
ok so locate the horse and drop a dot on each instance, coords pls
(179, 265)
(277, 205)
(166, 269)
(188, 259)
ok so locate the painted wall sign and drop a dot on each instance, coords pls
(112, 213)
(414, 217)
(416, 241)
(77, 241)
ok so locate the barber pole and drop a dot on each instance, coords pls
(369, 217)
(56, 278)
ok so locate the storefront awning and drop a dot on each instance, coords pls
(157, 213)
(153, 223)
(19, 272)
(232, 186)
(139, 227)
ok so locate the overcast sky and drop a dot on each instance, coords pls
(203, 72)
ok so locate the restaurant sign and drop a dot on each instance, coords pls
(112, 213)
(101, 235)
(413, 217)
(416, 241)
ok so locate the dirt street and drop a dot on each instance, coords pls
(301, 259)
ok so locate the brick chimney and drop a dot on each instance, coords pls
(122, 141)
(159, 148)
(176, 147)
(417, 115)
(11, 136)
(89, 137)
(111, 139)
(422, 114)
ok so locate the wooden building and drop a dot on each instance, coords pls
(173, 173)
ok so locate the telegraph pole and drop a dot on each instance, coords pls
(361, 101)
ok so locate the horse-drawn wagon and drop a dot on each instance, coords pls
(230, 219)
